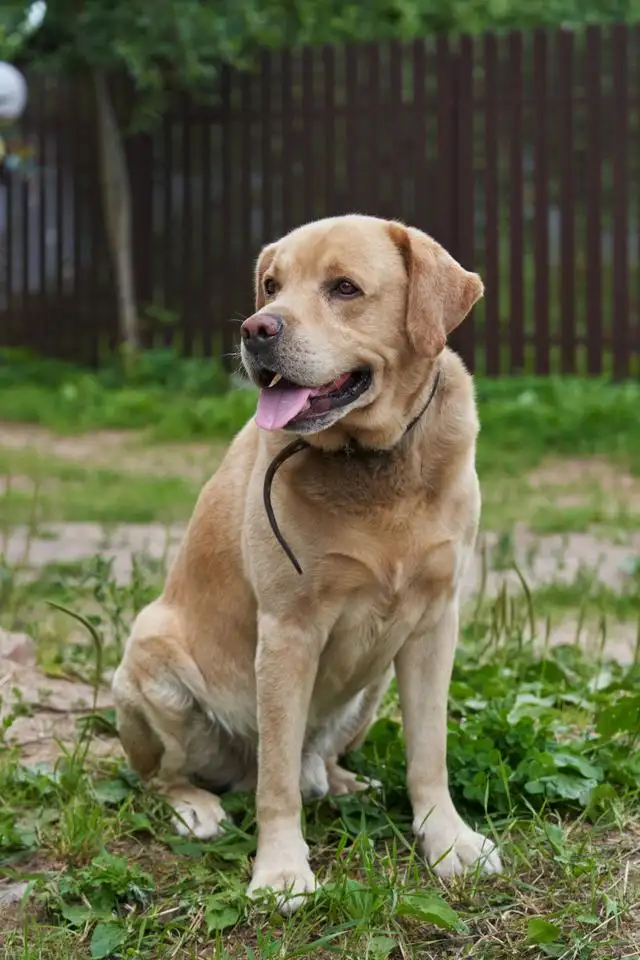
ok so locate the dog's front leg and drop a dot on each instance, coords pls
(286, 666)
(423, 670)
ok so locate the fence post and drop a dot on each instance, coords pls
(461, 179)
(446, 147)
(139, 149)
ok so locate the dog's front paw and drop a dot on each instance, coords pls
(453, 848)
(291, 880)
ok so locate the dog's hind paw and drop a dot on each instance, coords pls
(197, 812)
(343, 782)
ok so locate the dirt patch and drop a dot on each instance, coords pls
(124, 449)
(619, 642)
(555, 558)
(26, 436)
(43, 738)
(45, 710)
(11, 919)
(16, 484)
(565, 472)
(572, 482)
(66, 542)
(542, 559)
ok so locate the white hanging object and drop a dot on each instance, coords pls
(13, 92)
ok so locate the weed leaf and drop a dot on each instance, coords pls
(111, 792)
(77, 914)
(106, 938)
(622, 717)
(220, 915)
(541, 931)
(431, 909)
(381, 947)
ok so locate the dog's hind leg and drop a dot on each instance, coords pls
(350, 736)
(168, 738)
(142, 746)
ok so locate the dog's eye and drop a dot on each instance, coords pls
(270, 287)
(346, 288)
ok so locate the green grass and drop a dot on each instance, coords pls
(527, 419)
(174, 399)
(62, 490)
(46, 487)
(542, 754)
(511, 499)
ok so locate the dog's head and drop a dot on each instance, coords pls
(351, 314)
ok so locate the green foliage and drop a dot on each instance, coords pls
(107, 937)
(195, 376)
(528, 728)
(513, 732)
(98, 889)
(529, 417)
(68, 492)
(180, 38)
(177, 398)
(405, 19)
(184, 40)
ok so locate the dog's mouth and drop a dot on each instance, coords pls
(283, 403)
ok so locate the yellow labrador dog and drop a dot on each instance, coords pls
(295, 595)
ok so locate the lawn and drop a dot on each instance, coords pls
(545, 701)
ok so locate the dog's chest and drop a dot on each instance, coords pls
(400, 598)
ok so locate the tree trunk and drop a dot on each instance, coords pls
(116, 201)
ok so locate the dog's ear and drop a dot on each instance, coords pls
(264, 262)
(440, 292)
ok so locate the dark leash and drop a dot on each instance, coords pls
(297, 446)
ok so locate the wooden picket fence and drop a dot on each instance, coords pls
(519, 152)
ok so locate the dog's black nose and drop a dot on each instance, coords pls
(260, 330)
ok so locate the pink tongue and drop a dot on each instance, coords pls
(277, 406)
